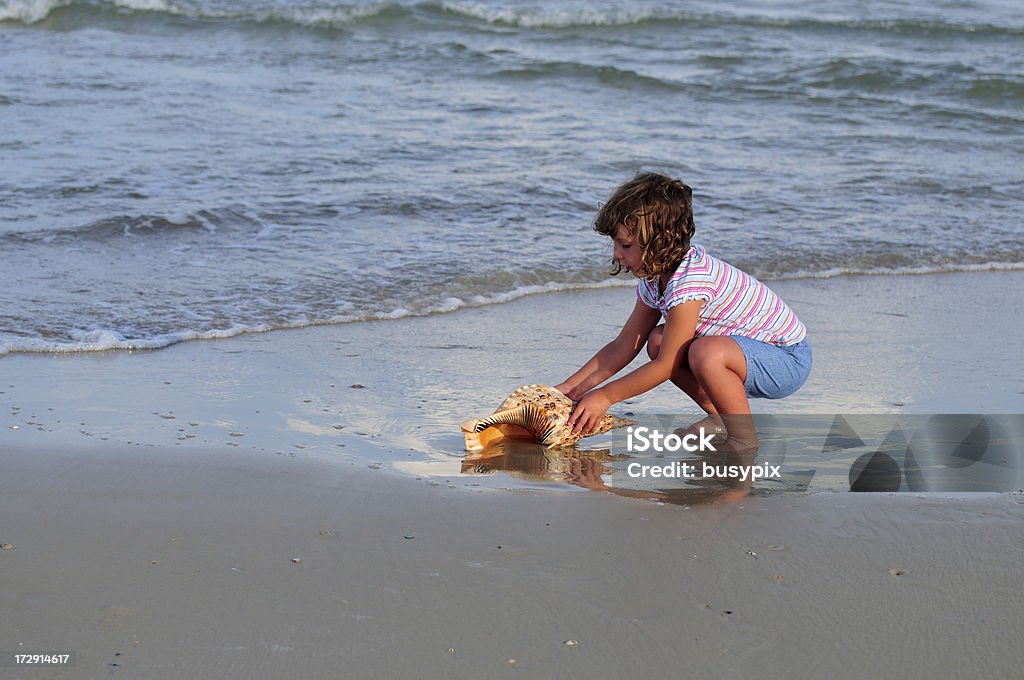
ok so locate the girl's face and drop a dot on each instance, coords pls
(627, 250)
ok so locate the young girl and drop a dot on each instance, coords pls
(726, 336)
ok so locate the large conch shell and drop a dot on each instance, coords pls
(534, 413)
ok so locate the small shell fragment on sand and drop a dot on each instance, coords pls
(571, 643)
(7, 546)
(296, 560)
(898, 572)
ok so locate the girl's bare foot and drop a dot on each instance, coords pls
(711, 425)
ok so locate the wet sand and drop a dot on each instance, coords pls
(290, 505)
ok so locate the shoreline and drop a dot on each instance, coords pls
(881, 345)
(112, 343)
(392, 393)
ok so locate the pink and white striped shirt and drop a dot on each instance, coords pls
(735, 303)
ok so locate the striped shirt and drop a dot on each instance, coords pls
(735, 303)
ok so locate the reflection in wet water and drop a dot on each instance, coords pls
(711, 478)
(600, 470)
(871, 453)
(529, 460)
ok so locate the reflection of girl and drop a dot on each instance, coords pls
(587, 473)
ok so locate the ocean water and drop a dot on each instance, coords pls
(178, 169)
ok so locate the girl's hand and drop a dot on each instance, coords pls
(589, 411)
(571, 392)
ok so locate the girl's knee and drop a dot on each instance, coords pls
(709, 353)
(699, 356)
(654, 341)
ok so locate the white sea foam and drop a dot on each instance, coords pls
(98, 340)
(946, 268)
(331, 16)
(534, 16)
(541, 17)
(32, 11)
(29, 11)
(148, 6)
(101, 340)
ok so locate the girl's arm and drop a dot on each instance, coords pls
(611, 358)
(680, 325)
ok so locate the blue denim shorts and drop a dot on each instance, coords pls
(774, 371)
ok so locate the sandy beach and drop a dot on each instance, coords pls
(291, 504)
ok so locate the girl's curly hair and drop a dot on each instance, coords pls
(658, 210)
